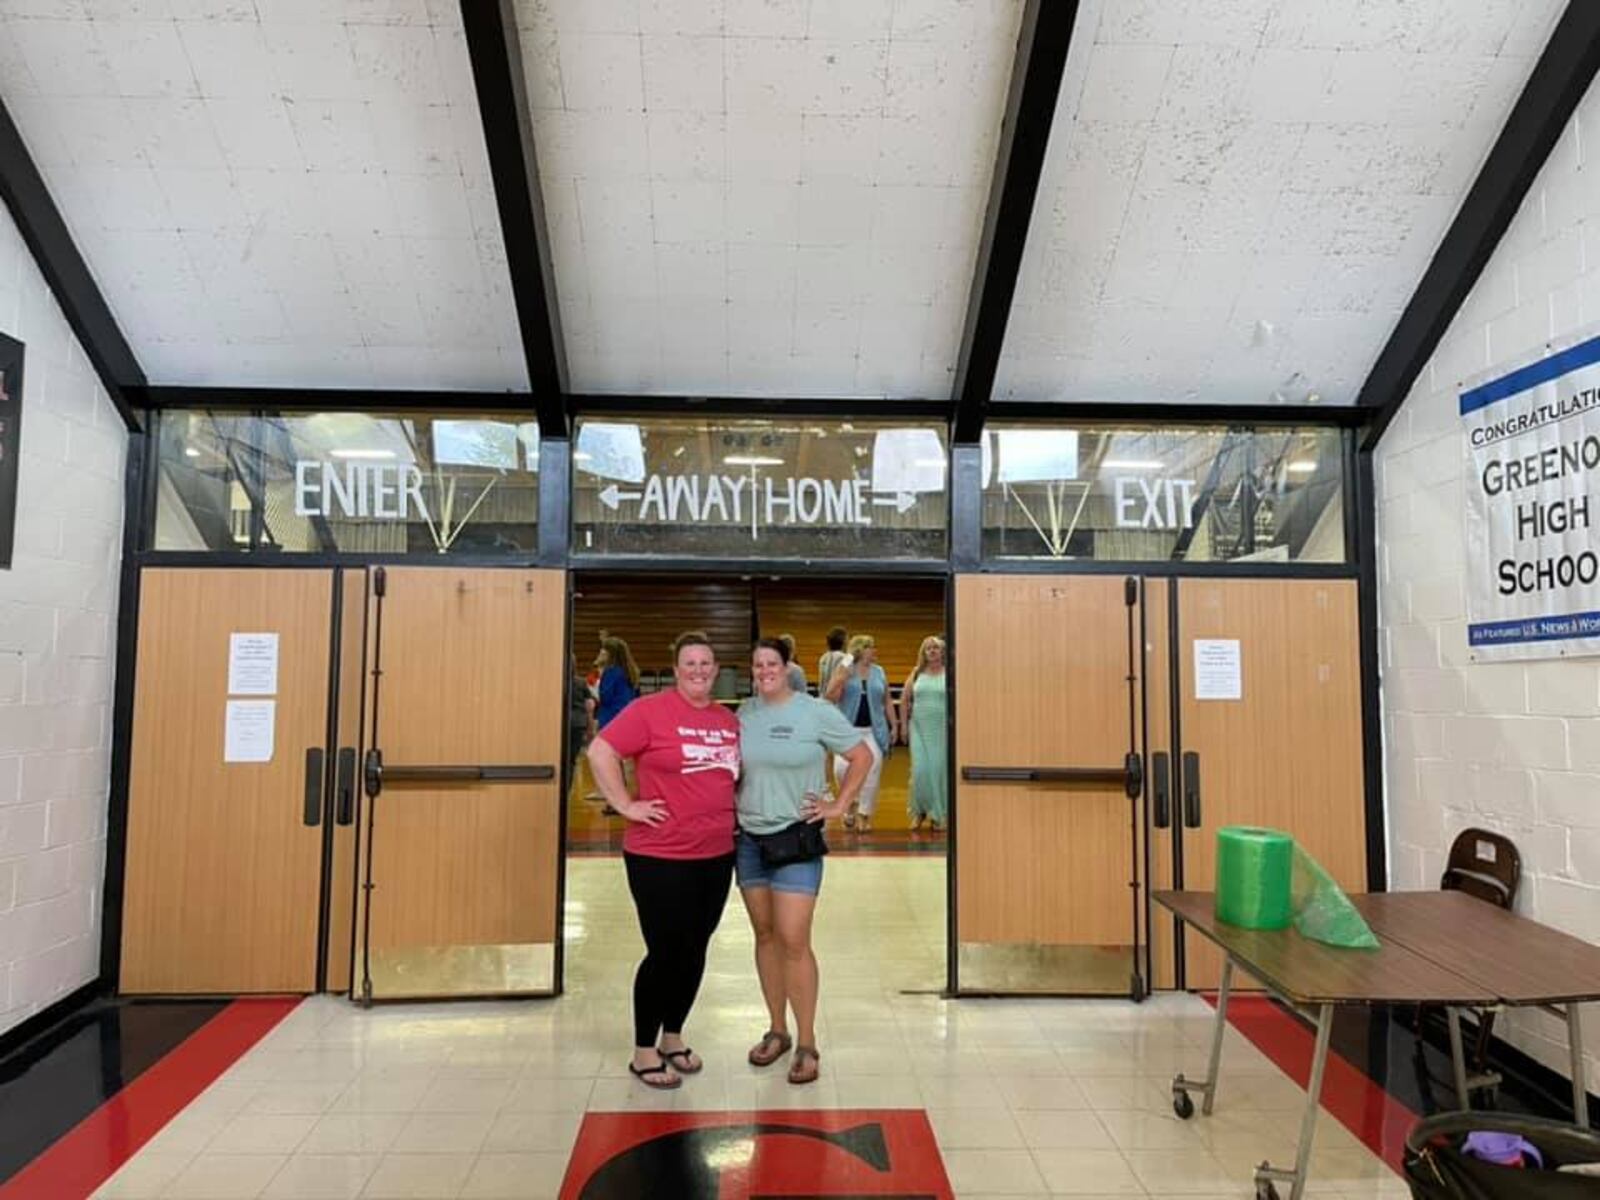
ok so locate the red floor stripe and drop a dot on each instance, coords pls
(1359, 1104)
(108, 1137)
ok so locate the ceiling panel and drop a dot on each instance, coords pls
(283, 193)
(765, 197)
(1240, 196)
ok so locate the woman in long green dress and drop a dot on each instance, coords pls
(923, 729)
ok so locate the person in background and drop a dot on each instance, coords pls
(861, 690)
(831, 658)
(678, 849)
(797, 673)
(619, 681)
(577, 715)
(922, 727)
(784, 740)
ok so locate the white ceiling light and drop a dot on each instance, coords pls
(1302, 466)
(752, 460)
(1131, 464)
(352, 453)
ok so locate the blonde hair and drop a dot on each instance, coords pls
(928, 643)
(861, 641)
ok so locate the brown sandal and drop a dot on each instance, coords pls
(770, 1048)
(797, 1069)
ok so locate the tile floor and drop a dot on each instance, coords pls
(1026, 1098)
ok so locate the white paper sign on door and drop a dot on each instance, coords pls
(249, 731)
(1217, 675)
(252, 664)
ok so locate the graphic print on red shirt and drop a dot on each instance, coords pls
(688, 758)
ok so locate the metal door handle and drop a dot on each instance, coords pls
(1133, 775)
(1161, 767)
(1104, 776)
(1191, 789)
(345, 787)
(313, 809)
(372, 770)
(378, 774)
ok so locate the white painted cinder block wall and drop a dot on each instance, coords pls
(57, 650)
(1513, 747)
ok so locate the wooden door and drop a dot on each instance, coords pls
(467, 672)
(1042, 679)
(1287, 753)
(223, 866)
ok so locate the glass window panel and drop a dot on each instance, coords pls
(357, 483)
(728, 487)
(1129, 494)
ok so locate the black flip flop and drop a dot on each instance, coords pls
(666, 1085)
(682, 1068)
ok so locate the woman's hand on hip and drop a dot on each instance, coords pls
(818, 808)
(645, 812)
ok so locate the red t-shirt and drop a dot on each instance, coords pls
(687, 757)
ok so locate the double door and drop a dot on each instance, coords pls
(362, 794)
(1106, 727)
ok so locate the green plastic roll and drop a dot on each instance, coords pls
(1254, 870)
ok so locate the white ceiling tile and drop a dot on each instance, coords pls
(395, 61)
(228, 58)
(213, 10)
(541, 64)
(830, 276)
(102, 132)
(1124, 83)
(1205, 84)
(695, 330)
(842, 79)
(683, 146)
(352, 203)
(602, 71)
(614, 212)
(688, 212)
(147, 58)
(763, 148)
(65, 57)
(425, 205)
(390, 318)
(843, 148)
(954, 21)
(693, 270)
(763, 212)
(1142, 22)
(618, 271)
(425, 139)
(861, 20)
(835, 213)
(247, 316)
(679, 16)
(766, 18)
(326, 318)
(762, 75)
(254, 135)
(581, 16)
(683, 74)
(1289, 85)
(126, 198)
(311, 61)
(333, 135)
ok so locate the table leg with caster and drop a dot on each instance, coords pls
(1268, 1176)
(1181, 1087)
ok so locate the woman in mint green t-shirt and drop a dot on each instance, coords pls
(785, 741)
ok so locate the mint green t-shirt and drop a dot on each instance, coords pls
(781, 750)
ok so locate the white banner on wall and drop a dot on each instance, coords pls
(1532, 437)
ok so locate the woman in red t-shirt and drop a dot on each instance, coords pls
(678, 848)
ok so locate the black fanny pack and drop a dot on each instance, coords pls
(800, 842)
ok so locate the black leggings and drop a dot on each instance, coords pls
(680, 902)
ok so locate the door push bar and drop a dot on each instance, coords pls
(376, 775)
(1129, 777)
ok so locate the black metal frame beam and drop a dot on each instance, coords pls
(274, 399)
(1036, 72)
(498, 74)
(28, 199)
(1559, 80)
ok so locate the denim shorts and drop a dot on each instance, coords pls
(804, 878)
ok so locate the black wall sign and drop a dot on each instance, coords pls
(10, 441)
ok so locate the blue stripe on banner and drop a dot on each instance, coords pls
(1571, 359)
(1557, 627)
